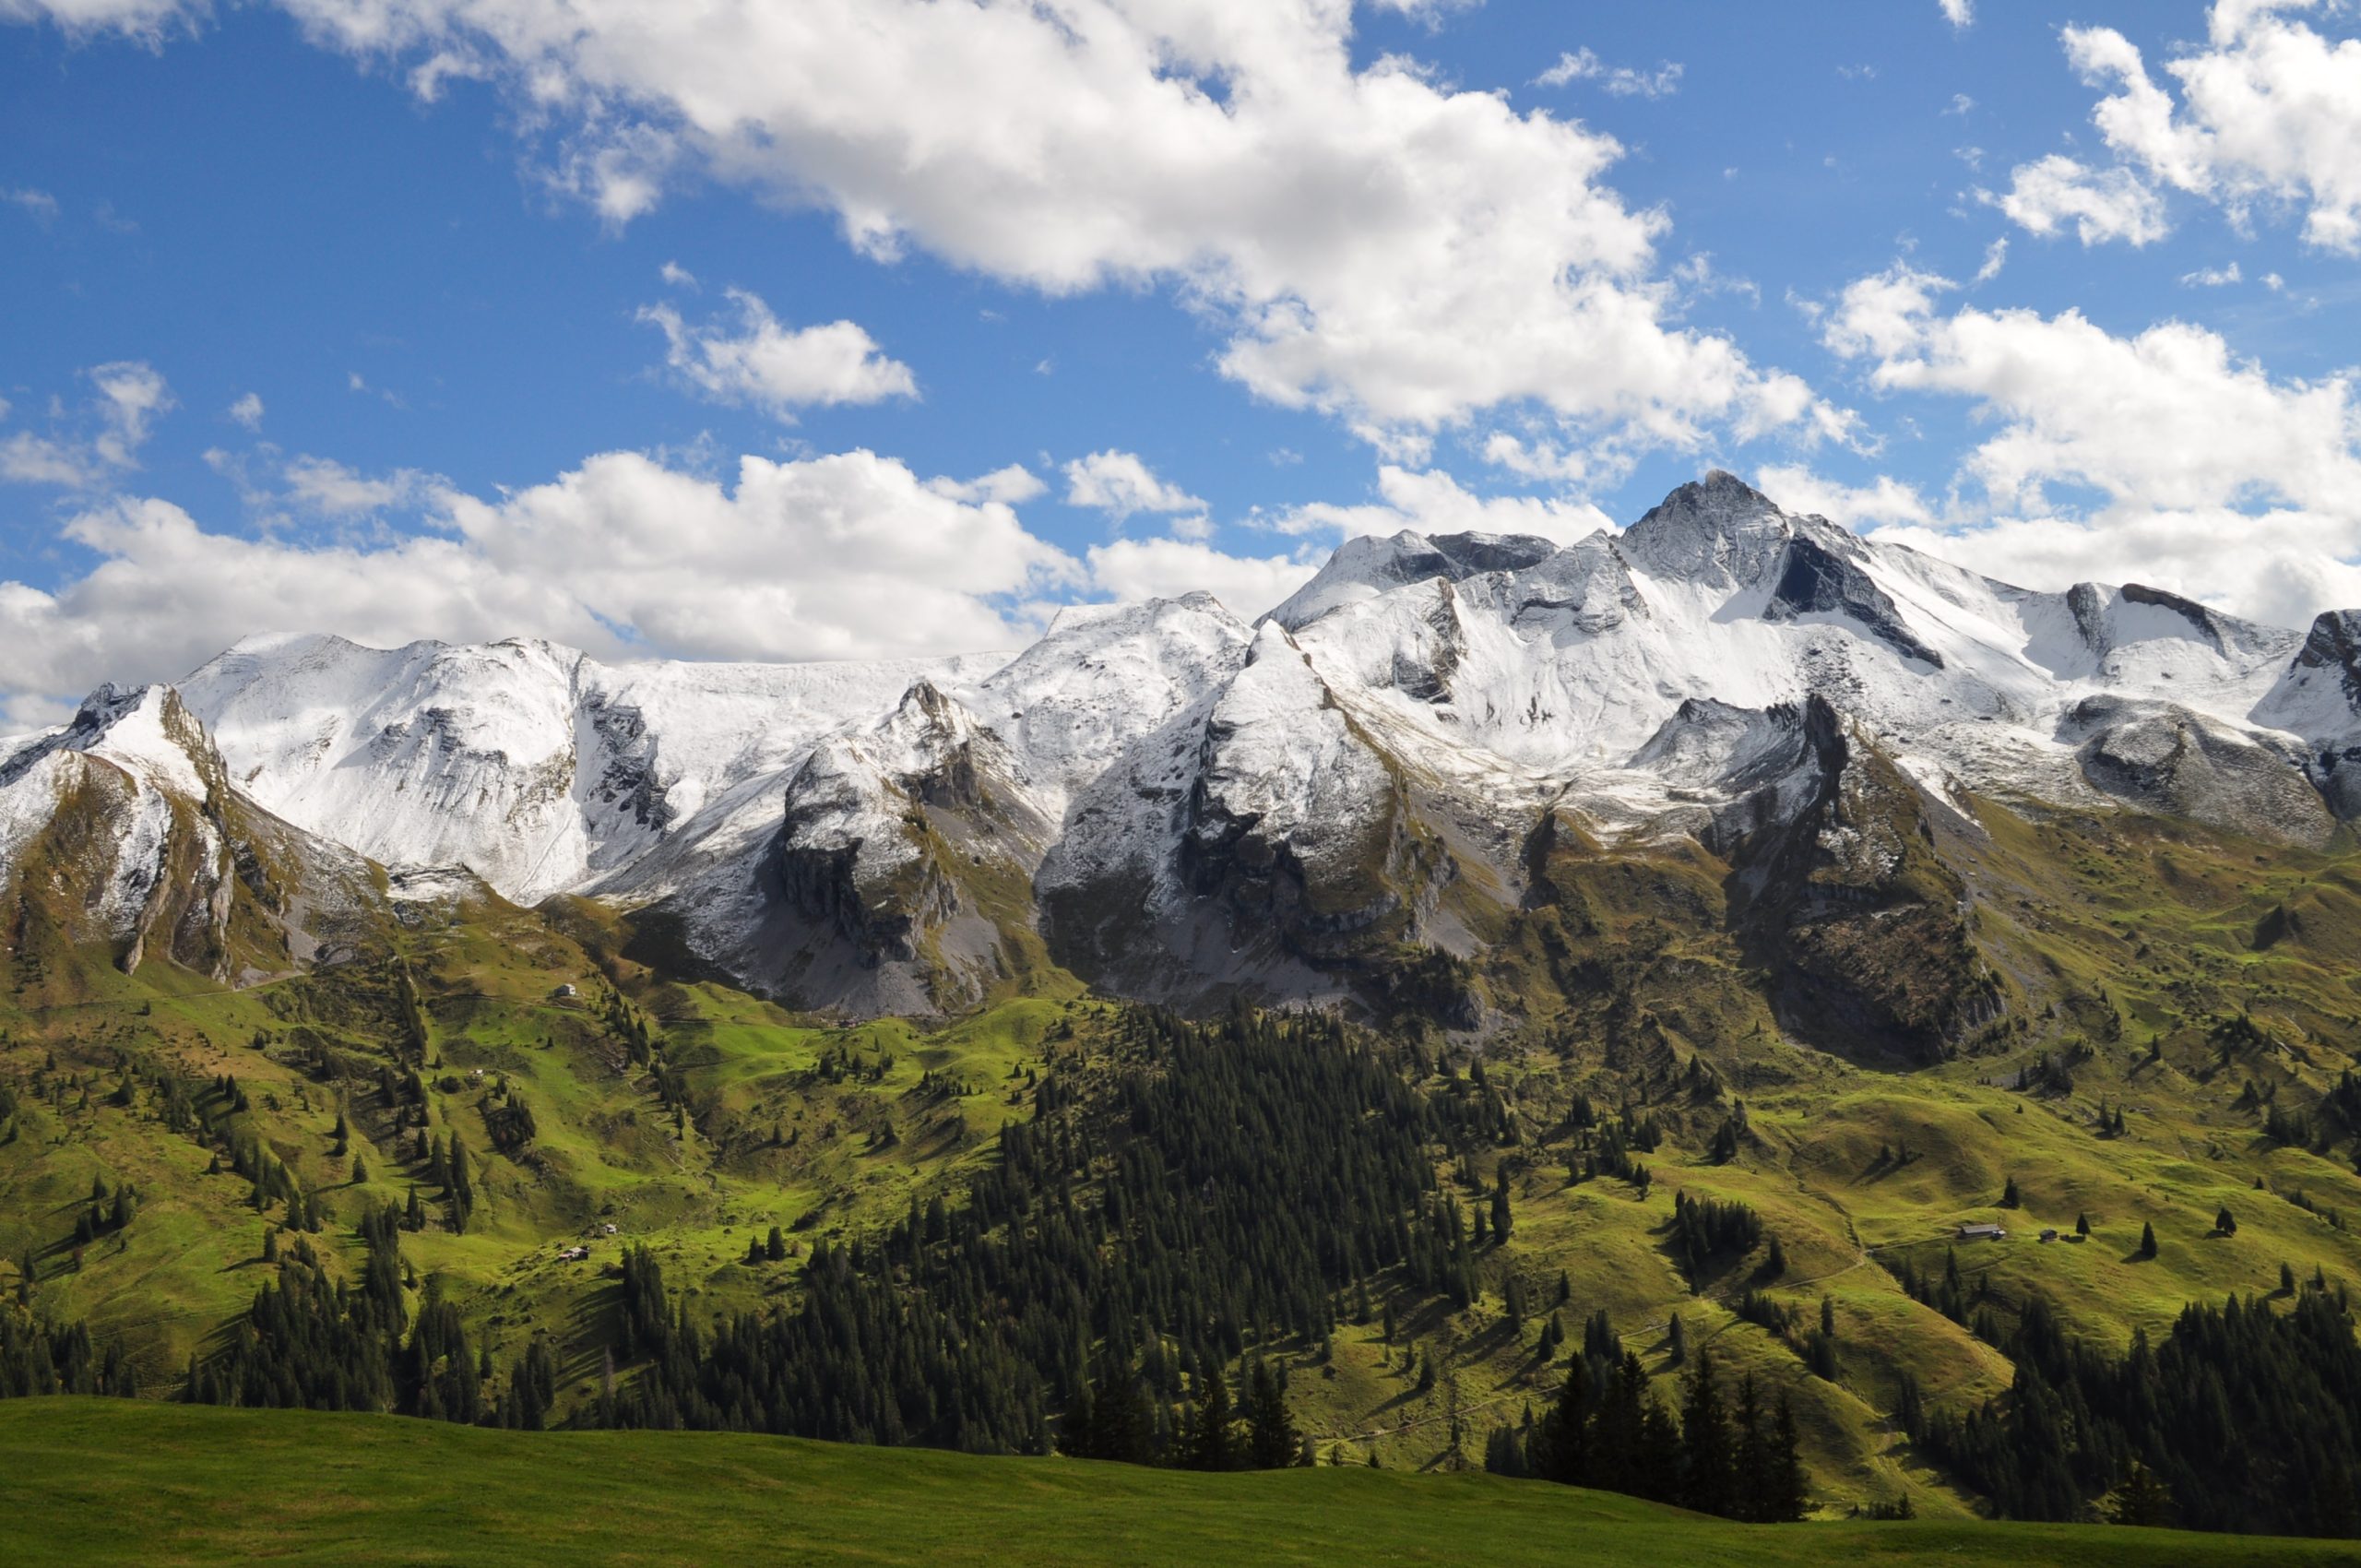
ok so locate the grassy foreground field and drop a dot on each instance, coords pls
(103, 1482)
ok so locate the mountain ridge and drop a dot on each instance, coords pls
(1161, 797)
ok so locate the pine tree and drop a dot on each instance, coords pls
(1561, 1453)
(774, 1248)
(1122, 1426)
(2147, 1242)
(1752, 1501)
(2142, 1499)
(1272, 1440)
(1788, 1498)
(1078, 1431)
(1501, 1218)
(1705, 1455)
(1658, 1452)
(2225, 1222)
(1212, 1445)
(2010, 1197)
(360, 1171)
(463, 1190)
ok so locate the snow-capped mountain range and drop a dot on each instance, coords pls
(1167, 800)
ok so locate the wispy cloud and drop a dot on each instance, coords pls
(1623, 81)
(39, 206)
(88, 449)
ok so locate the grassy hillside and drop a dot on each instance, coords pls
(97, 1481)
(2190, 979)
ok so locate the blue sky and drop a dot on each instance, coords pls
(460, 317)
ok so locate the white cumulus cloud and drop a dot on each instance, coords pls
(1883, 500)
(755, 359)
(1013, 485)
(1431, 501)
(2103, 205)
(848, 555)
(2159, 455)
(2269, 114)
(1120, 483)
(1368, 239)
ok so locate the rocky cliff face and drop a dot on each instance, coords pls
(2165, 758)
(121, 833)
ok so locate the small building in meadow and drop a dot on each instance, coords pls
(1982, 1230)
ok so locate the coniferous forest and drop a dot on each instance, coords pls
(1234, 1182)
(2243, 1419)
(1171, 1238)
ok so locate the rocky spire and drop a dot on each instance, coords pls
(1718, 530)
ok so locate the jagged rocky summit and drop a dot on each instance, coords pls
(1364, 797)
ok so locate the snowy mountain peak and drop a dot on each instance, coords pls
(1073, 619)
(1717, 530)
(144, 731)
(2319, 698)
(1369, 565)
(2334, 644)
(150, 848)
